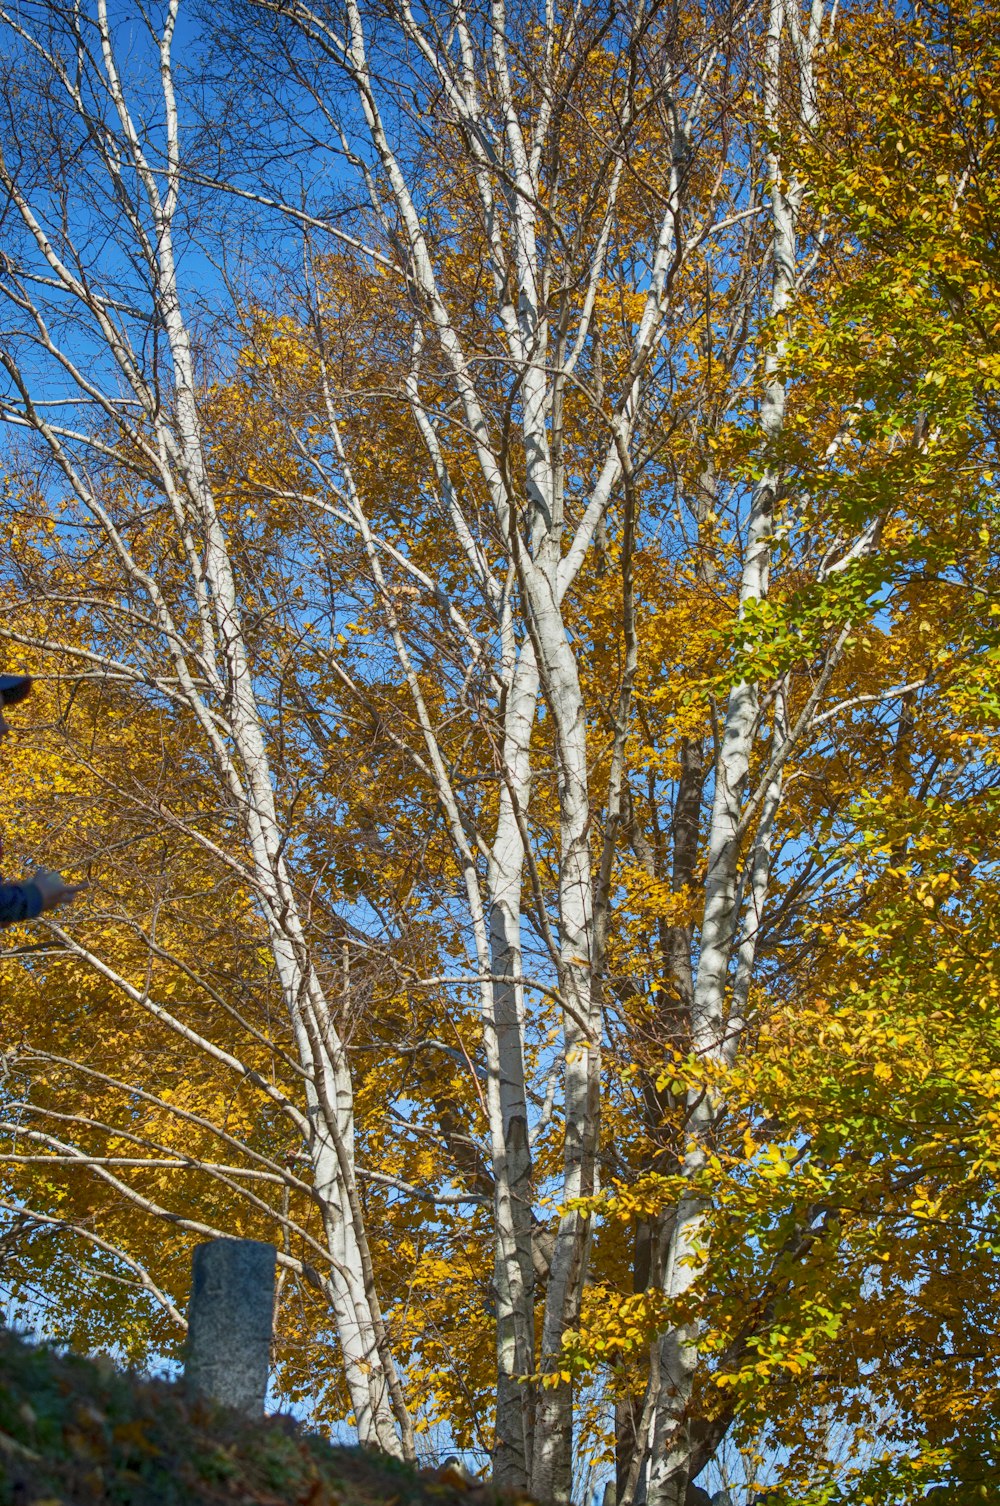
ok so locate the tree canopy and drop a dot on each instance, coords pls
(500, 503)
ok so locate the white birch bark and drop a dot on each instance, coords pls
(712, 1036)
(513, 1267)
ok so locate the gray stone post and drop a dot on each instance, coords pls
(230, 1319)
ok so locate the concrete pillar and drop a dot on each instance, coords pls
(230, 1320)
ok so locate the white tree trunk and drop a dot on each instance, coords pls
(511, 1152)
(581, 1031)
(713, 1036)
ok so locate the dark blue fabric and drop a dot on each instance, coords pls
(19, 902)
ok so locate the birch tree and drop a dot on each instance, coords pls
(514, 174)
(546, 265)
(100, 365)
(739, 824)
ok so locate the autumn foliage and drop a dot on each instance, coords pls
(502, 508)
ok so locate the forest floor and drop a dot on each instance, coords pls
(77, 1432)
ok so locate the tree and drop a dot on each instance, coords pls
(485, 659)
(183, 629)
(848, 1285)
